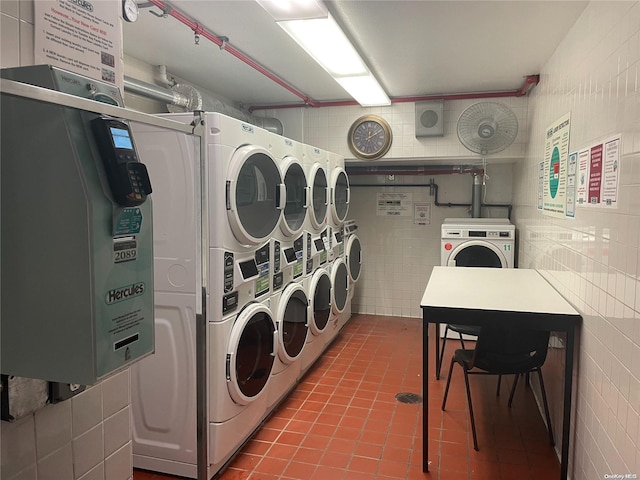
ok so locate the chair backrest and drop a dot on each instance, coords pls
(507, 351)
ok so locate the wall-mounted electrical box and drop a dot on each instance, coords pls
(77, 260)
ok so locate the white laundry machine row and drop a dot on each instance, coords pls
(353, 262)
(216, 220)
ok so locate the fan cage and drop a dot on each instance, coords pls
(487, 127)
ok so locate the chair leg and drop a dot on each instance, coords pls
(546, 407)
(513, 390)
(446, 390)
(461, 340)
(473, 422)
(444, 344)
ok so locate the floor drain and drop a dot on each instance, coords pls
(406, 397)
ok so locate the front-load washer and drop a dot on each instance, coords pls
(339, 295)
(242, 350)
(340, 192)
(315, 163)
(290, 307)
(478, 242)
(353, 262)
(226, 195)
(318, 288)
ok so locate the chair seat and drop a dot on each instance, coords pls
(466, 329)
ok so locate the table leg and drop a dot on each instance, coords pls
(566, 408)
(437, 339)
(425, 392)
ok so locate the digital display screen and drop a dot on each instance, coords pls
(319, 244)
(121, 138)
(249, 269)
(290, 254)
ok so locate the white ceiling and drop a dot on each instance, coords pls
(414, 47)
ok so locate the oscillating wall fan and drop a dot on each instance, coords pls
(487, 127)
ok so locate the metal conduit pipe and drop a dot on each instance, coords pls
(183, 97)
(154, 92)
(476, 196)
(408, 170)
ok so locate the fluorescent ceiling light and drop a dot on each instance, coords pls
(310, 24)
(323, 39)
(365, 90)
(282, 10)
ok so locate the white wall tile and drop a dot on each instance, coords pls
(18, 444)
(117, 431)
(96, 473)
(53, 428)
(9, 46)
(115, 393)
(88, 450)
(119, 466)
(86, 410)
(57, 465)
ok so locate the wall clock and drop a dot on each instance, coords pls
(130, 10)
(369, 137)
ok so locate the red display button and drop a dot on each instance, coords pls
(448, 246)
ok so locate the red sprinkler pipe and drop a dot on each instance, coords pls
(200, 30)
(530, 80)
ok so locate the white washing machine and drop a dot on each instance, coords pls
(478, 242)
(242, 351)
(318, 286)
(340, 192)
(339, 295)
(315, 163)
(290, 307)
(233, 214)
(353, 262)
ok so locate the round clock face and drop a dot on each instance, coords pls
(130, 10)
(370, 137)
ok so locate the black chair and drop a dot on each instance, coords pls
(501, 351)
(461, 330)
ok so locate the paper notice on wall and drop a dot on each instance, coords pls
(80, 36)
(555, 167)
(540, 185)
(582, 187)
(598, 182)
(572, 172)
(422, 213)
(394, 204)
(610, 172)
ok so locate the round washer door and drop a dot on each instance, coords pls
(339, 282)
(320, 301)
(477, 253)
(295, 210)
(255, 195)
(250, 354)
(292, 322)
(353, 258)
(318, 198)
(340, 194)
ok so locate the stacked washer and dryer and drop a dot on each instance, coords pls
(231, 246)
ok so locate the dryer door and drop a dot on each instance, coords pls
(340, 194)
(292, 322)
(339, 282)
(318, 198)
(354, 258)
(255, 195)
(295, 209)
(320, 297)
(476, 253)
(250, 353)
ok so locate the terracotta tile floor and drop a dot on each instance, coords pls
(343, 422)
